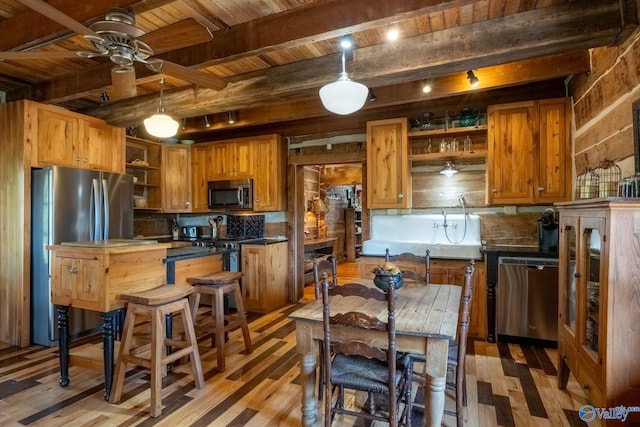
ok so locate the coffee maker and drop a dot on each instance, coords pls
(548, 231)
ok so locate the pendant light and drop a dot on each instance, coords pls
(449, 169)
(161, 125)
(343, 96)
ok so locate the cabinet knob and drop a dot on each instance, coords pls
(540, 189)
(576, 275)
(494, 190)
(77, 158)
(400, 196)
(187, 204)
(587, 387)
(73, 270)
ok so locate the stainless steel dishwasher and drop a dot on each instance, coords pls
(527, 296)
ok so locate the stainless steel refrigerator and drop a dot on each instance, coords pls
(71, 205)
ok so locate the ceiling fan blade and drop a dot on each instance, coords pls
(17, 55)
(123, 83)
(196, 77)
(187, 32)
(57, 16)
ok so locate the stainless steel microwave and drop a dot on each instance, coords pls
(231, 194)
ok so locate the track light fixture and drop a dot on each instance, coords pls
(426, 86)
(231, 117)
(207, 124)
(372, 96)
(473, 80)
(184, 124)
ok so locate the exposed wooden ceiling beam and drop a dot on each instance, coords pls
(501, 76)
(318, 21)
(508, 39)
(26, 27)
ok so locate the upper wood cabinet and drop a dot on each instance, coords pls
(201, 173)
(529, 159)
(69, 139)
(388, 173)
(176, 178)
(260, 158)
(269, 187)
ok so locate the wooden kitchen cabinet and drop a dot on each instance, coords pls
(264, 280)
(176, 178)
(143, 161)
(529, 152)
(70, 139)
(260, 158)
(599, 309)
(201, 174)
(269, 180)
(446, 271)
(388, 172)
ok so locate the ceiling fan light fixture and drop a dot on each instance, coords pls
(160, 124)
(449, 169)
(473, 80)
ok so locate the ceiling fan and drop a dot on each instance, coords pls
(117, 38)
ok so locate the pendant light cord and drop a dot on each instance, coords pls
(161, 107)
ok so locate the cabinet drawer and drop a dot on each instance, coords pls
(589, 380)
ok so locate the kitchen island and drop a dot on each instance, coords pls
(91, 276)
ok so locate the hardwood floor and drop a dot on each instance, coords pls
(508, 385)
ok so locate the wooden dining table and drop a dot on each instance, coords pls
(426, 319)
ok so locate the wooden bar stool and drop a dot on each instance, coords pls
(217, 285)
(156, 304)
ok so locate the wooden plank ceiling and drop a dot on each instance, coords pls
(273, 56)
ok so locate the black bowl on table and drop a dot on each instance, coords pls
(382, 281)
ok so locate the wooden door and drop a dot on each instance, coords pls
(554, 167)
(201, 174)
(512, 152)
(176, 178)
(388, 174)
(254, 273)
(268, 182)
(243, 159)
(103, 147)
(57, 142)
(219, 167)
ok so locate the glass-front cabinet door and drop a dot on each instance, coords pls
(592, 321)
(569, 275)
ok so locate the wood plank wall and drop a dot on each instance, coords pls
(602, 103)
(15, 211)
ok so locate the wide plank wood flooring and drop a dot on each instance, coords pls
(508, 385)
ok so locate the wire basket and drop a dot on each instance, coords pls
(609, 175)
(587, 184)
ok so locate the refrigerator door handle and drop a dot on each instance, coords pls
(105, 205)
(96, 212)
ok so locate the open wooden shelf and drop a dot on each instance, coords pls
(468, 130)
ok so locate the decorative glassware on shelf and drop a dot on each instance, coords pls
(444, 147)
(468, 145)
(630, 186)
(455, 145)
(429, 146)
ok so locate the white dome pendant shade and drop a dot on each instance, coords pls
(160, 124)
(344, 96)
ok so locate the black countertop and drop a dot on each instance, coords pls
(187, 252)
(517, 250)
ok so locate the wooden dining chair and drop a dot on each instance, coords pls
(410, 257)
(357, 365)
(327, 265)
(457, 350)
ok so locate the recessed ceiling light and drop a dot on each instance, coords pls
(393, 34)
